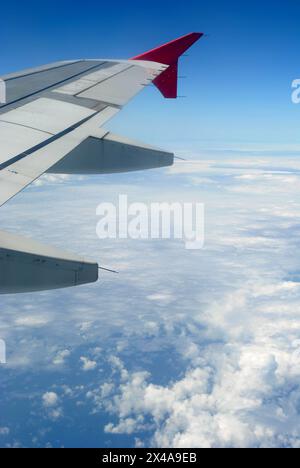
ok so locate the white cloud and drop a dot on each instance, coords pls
(31, 321)
(160, 297)
(270, 177)
(85, 326)
(241, 387)
(55, 413)
(61, 357)
(51, 402)
(208, 407)
(50, 399)
(190, 167)
(51, 179)
(87, 364)
(126, 426)
(224, 359)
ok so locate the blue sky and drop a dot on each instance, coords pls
(181, 349)
(238, 83)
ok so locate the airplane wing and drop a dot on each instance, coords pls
(52, 121)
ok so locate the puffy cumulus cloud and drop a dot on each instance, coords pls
(50, 399)
(55, 413)
(61, 357)
(242, 405)
(51, 403)
(126, 426)
(87, 364)
(241, 387)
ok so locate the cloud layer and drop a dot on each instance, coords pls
(185, 349)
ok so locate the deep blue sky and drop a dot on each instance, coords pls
(238, 83)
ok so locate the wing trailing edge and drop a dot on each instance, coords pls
(110, 154)
(28, 266)
(168, 54)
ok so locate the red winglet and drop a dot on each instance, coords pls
(169, 54)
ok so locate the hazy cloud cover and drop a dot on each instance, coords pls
(182, 348)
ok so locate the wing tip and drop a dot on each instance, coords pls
(169, 54)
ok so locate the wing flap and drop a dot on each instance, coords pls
(27, 266)
(110, 154)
